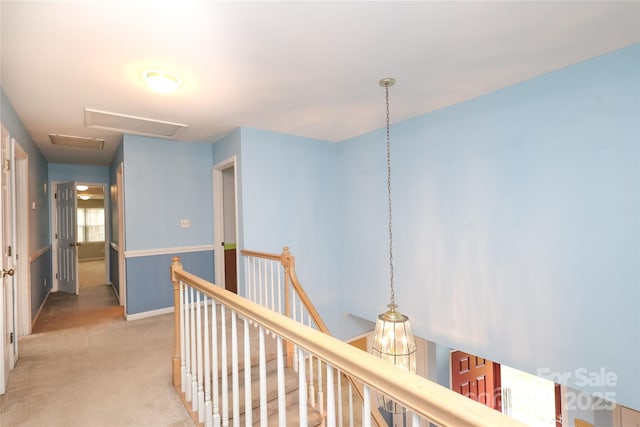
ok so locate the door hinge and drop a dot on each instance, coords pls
(9, 251)
(55, 195)
(7, 165)
(11, 338)
(57, 276)
(56, 235)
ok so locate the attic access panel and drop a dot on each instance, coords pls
(131, 124)
(76, 141)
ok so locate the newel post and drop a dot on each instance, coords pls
(286, 259)
(176, 266)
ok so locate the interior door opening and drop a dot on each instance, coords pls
(66, 239)
(23, 279)
(525, 397)
(226, 226)
(8, 340)
(91, 236)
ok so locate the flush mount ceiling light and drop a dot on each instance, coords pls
(82, 187)
(393, 340)
(162, 81)
(85, 197)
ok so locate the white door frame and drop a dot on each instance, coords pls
(53, 229)
(23, 249)
(5, 365)
(122, 277)
(105, 207)
(218, 216)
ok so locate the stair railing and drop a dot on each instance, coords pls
(201, 366)
(271, 281)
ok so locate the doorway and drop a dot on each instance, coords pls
(80, 257)
(226, 224)
(525, 397)
(91, 237)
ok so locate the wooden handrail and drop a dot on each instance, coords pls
(421, 396)
(288, 262)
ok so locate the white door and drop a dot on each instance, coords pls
(8, 344)
(66, 205)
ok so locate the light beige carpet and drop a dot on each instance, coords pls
(91, 273)
(113, 374)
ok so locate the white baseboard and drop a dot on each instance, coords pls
(145, 314)
(44, 301)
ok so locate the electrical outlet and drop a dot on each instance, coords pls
(185, 223)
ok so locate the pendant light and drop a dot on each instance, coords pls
(393, 340)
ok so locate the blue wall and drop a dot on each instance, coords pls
(289, 198)
(515, 223)
(40, 274)
(148, 282)
(39, 236)
(223, 149)
(38, 172)
(166, 181)
(63, 172)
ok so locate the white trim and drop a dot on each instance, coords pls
(22, 243)
(34, 256)
(122, 270)
(218, 219)
(145, 314)
(44, 301)
(167, 251)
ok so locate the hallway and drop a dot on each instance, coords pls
(84, 365)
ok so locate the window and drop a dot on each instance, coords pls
(90, 225)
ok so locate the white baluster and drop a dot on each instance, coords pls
(255, 280)
(282, 403)
(223, 362)
(248, 413)
(302, 389)
(279, 290)
(320, 389)
(261, 281)
(214, 365)
(189, 338)
(340, 398)
(194, 363)
(183, 332)
(208, 419)
(350, 405)
(312, 388)
(199, 370)
(273, 293)
(415, 420)
(263, 379)
(331, 403)
(247, 278)
(234, 370)
(296, 362)
(366, 407)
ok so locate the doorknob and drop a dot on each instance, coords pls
(9, 272)
(75, 244)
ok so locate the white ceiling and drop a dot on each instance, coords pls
(304, 68)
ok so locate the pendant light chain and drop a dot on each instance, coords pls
(393, 291)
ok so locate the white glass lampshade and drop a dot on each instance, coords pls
(393, 342)
(162, 81)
